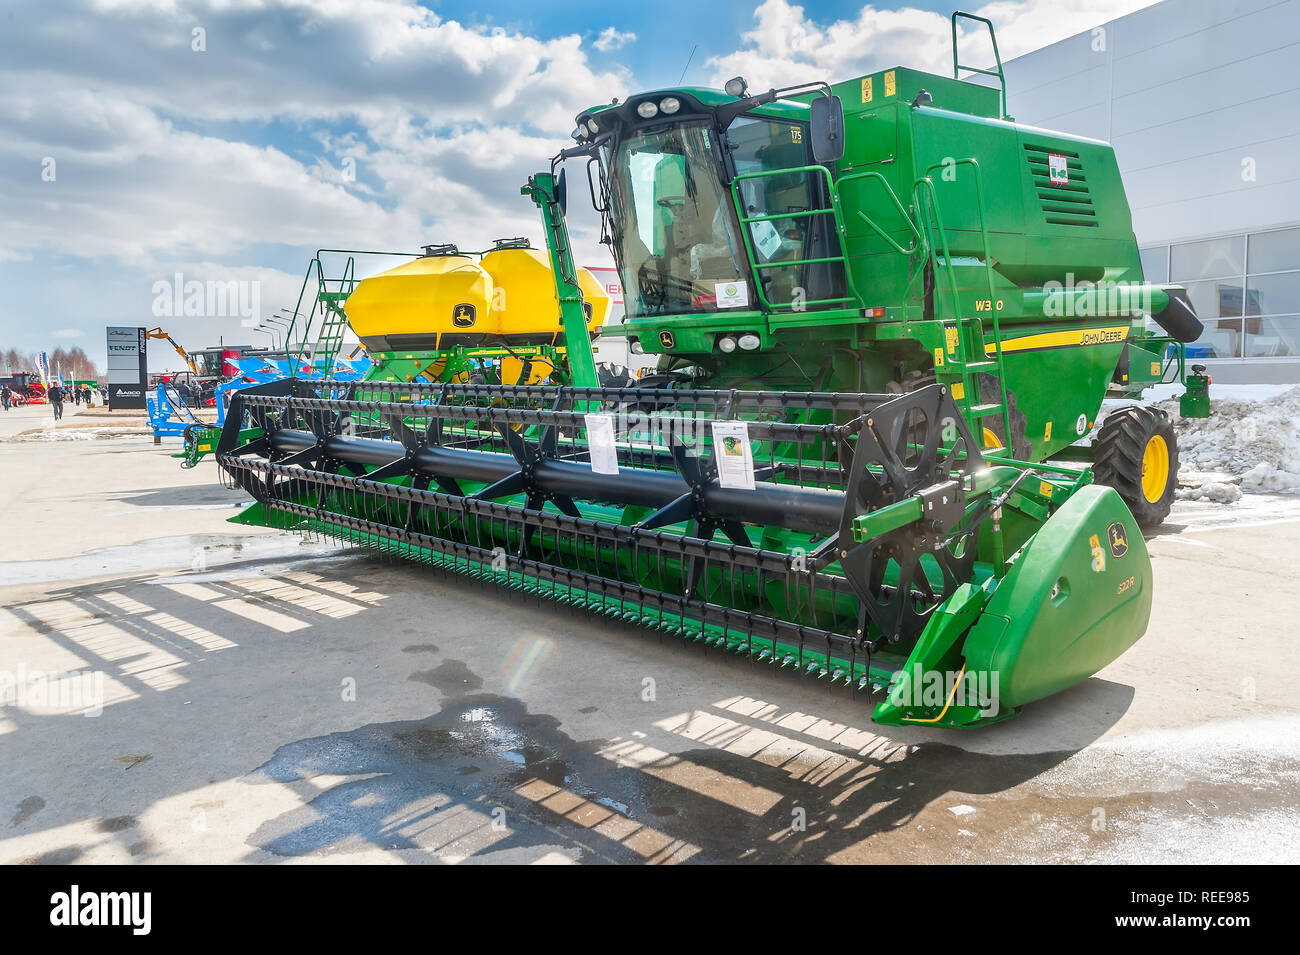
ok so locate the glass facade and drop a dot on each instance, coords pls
(1246, 289)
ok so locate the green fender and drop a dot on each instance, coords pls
(1077, 596)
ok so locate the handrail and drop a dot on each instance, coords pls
(958, 67)
(988, 270)
(889, 191)
(834, 209)
(924, 185)
(929, 212)
(322, 284)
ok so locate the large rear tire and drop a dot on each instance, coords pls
(1136, 453)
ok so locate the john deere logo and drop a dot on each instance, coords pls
(1118, 539)
(463, 315)
(666, 339)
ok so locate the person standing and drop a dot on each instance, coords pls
(55, 396)
(5, 397)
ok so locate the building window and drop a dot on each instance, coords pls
(1273, 294)
(1208, 259)
(1245, 288)
(1277, 251)
(1155, 263)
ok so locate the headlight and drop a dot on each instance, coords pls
(749, 341)
(736, 86)
(670, 105)
(577, 133)
(592, 127)
(647, 110)
(726, 344)
(635, 348)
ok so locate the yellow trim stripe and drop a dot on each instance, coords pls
(1110, 335)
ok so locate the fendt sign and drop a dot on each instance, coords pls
(128, 367)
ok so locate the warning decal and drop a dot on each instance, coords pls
(1058, 169)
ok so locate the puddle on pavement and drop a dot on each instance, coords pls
(437, 785)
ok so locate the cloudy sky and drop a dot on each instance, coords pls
(229, 139)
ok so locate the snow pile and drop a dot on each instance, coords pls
(1215, 491)
(1265, 477)
(1255, 442)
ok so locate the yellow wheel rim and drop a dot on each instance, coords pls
(991, 440)
(1155, 469)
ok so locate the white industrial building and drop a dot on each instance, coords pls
(1201, 100)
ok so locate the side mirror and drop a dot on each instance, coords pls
(562, 194)
(826, 122)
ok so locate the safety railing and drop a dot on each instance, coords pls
(957, 66)
(930, 238)
(851, 297)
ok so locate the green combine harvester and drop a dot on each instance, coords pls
(885, 314)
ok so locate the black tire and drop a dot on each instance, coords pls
(989, 393)
(1119, 451)
(614, 376)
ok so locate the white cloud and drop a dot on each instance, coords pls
(309, 60)
(612, 39)
(117, 97)
(787, 46)
(67, 333)
(357, 124)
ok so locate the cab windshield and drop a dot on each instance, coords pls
(672, 224)
(674, 230)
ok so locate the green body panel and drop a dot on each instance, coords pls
(1067, 606)
(1064, 610)
(1014, 259)
(931, 688)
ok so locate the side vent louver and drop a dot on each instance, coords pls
(1064, 203)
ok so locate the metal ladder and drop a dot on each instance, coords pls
(970, 357)
(331, 294)
(334, 323)
(965, 354)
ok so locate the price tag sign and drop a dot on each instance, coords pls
(600, 442)
(732, 294)
(733, 455)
